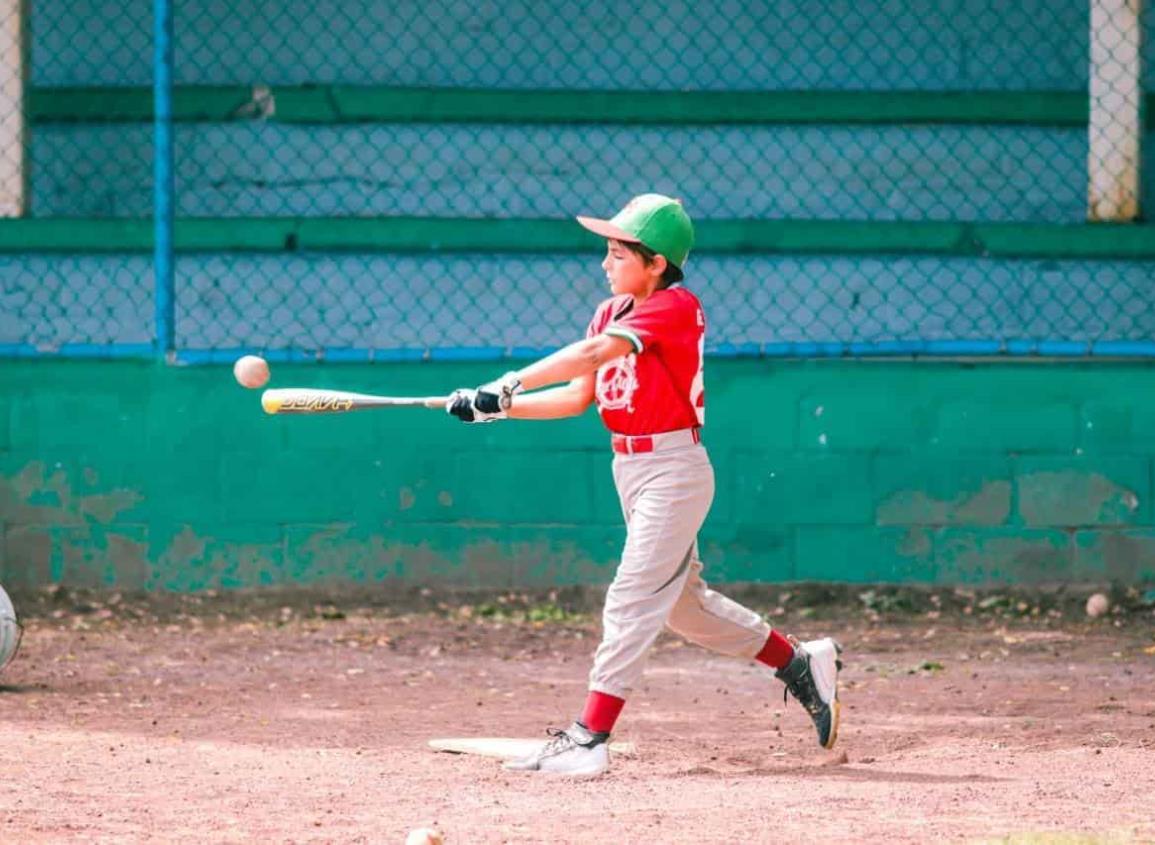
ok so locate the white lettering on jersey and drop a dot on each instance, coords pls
(616, 383)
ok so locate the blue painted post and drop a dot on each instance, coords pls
(163, 187)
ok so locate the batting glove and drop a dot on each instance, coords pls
(460, 404)
(497, 396)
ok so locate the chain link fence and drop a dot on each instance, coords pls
(66, 156)
(359, 179)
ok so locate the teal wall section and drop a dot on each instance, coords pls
(136, 475)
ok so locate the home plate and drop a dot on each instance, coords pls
(508, 748)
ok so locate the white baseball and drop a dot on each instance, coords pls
(1097, 605)
(251, 371)
(423, 836)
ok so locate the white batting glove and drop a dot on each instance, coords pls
(497, 396)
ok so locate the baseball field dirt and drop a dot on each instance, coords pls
(304, 717)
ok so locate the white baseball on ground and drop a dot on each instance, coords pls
(1097, 605)
(251, 371)
(423, 836)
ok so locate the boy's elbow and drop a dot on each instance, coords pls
(596, 351)
(581, 405)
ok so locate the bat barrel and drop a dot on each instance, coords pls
(305, 400)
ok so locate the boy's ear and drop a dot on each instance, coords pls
(660, 264)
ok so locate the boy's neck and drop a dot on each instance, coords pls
(638, 300)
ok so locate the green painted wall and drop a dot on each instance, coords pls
(137, 475)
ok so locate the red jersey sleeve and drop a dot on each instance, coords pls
(605, 314)
(657, 319)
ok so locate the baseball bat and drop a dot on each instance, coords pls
(308, 400)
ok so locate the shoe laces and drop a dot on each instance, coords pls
(801, 686)
(560, 741)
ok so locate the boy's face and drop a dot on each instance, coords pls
(627, 272)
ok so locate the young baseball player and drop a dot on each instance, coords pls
(641, 362)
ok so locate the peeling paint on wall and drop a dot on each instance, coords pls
(990, 505)
(1071, 497)
(1005, 556)
(59, 528)
(36, 496)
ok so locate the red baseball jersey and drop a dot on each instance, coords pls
(659, 386)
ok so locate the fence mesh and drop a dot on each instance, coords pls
(875, 177)
(66, 156)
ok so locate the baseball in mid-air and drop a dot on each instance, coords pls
(251, 371)
(423, 836)
(1097, 605)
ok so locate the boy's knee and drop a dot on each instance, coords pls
(681, 617)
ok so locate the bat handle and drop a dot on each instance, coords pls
(436, 402)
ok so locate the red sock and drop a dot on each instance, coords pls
(777, 652)
(601, 711)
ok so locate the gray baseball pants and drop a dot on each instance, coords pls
(665, 497)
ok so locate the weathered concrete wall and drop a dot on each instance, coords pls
(136, 475)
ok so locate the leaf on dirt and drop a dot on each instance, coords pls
(1106, 740)
(928, 666)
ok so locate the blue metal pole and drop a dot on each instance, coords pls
(163, 187)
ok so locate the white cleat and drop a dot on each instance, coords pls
(574, 752)
(812, 678)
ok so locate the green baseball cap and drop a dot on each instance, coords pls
(657, 222)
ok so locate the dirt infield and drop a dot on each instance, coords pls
(304, 718)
